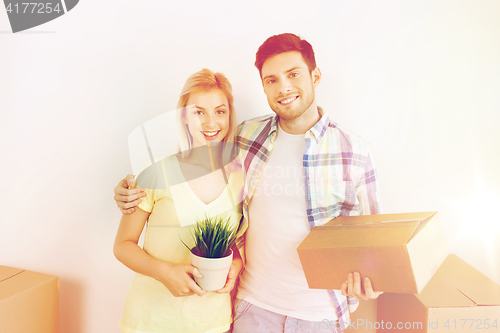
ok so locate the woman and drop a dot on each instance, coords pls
(163, 296)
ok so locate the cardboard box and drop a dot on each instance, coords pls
(398, 252)
(458, 298)
(29, 301)
(363, 319)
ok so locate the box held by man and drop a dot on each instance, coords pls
(398, 252)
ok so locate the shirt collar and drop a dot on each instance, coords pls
(274, 128)
(317, 131)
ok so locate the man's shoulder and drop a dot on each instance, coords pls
(255, 125)
(347, 137)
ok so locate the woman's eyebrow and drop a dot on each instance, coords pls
(201, 108)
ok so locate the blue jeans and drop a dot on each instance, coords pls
(249, 318)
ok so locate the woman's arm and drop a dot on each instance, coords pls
(176, 277)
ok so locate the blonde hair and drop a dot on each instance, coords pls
(204, 81)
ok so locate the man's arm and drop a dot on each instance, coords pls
(354, 287)
(234, 272)
(127, 196)
(367, 188)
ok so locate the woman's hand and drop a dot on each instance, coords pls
(234, 272)
(178, 278)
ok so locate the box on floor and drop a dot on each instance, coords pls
(458, 298)
(29, 301)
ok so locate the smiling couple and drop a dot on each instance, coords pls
(335, 177)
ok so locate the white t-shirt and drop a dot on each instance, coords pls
(273, 278)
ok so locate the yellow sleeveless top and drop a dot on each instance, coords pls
(149, 305)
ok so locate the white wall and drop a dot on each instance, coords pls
(419, 80)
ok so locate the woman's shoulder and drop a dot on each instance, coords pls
(154, 177)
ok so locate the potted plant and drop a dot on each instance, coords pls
(211, 254)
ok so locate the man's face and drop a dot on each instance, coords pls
(288, 85)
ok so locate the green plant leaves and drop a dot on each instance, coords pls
(213, 237)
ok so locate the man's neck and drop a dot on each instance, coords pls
(303, 123)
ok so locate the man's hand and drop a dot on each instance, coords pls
(234, 272)
(127, 196)
(354, 288)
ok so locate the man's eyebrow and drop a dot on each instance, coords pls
(268, 77)
(292, 69)
(288, 71)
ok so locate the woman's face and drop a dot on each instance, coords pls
(207, 117)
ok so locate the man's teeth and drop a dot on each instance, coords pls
(288, 100)
(211, 133)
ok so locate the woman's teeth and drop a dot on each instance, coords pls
(210, 134)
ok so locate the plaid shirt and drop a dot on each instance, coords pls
(340, 178)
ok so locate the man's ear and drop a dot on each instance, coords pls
(316, 77)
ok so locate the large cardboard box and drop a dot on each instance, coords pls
(398, 252)
(363, 319)
(458, 298)
(29, 301)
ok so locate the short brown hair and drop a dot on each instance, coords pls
(285, 43)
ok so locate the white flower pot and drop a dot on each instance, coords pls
(214, 271)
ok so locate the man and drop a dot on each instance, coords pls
(301, 170)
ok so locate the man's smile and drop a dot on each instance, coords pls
(288, 100)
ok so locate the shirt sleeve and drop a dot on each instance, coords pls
(352, 303)
(147, 202)
(367, 188)
(150, 179)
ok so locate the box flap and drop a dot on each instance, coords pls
(471, 282)
(422, 224)
(456, 283)
(427, 250)
(380, 218)
(437, 293)
(373, 230)
(360, 235)
(8, 272)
